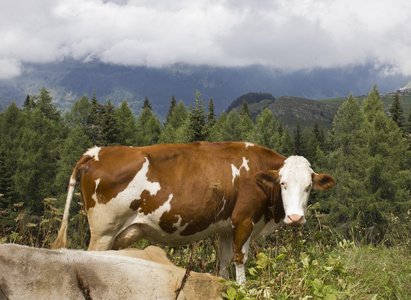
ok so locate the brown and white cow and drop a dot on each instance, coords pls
(173, 194)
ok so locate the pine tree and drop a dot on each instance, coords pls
(228, 127)
(38, 153)
(369, 158)
(211, 116)
(28, 103)
(372, 103)
(247, 127)
(315, 142)
(72, 149)
(94, 122)
(298, 140)
(11, 124)
(110, 130)
(147, 104)
(409, 123)
(287, 146)
(80, 113)
(244, 109)
(174, 130)
(173, 104)
(397, 112)
(196, 125)
(265, 130)
(126, 123)
(148, 127)
(280, 128)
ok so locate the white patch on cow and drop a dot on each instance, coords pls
(70, 192)
(296, 180)
(262, 228)
(249, 145)
(236, 172)
(139, 184)
(240, 273)
(245, 248)
(94, 196)
(116, 215)
(178, 225)
(239, 268)
(156, 215)
(73, 181)
(222, 209)
(93, 152)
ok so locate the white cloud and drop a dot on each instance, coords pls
(9, 67)
(286, 34)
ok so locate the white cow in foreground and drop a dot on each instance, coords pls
(31, 273)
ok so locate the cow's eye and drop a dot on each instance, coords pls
(283, 185)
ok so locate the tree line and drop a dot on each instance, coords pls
(367, 151)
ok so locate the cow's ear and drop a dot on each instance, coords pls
(322, 182)
(267, 180)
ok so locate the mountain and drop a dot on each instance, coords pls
(68, 80)
(292, 110)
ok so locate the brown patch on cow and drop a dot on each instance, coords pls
(135, 204)
(268, 182)
(277, 207)
(198, 215)
(242, 232)
(167, 222)
(149, 203)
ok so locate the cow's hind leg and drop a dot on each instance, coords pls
(127, 237)
(100, 242)
(225, 253)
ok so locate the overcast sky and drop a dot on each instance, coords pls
(285, 34)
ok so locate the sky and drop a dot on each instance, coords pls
(289, 35)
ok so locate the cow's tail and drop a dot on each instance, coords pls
(61, 240)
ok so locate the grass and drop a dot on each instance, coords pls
(288, 264)
(346, 271)
(380, 272)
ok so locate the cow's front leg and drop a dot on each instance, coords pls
(241, 243)
(225, 253)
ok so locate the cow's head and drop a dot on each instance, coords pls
(296, 179)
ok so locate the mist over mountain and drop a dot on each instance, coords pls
(68, 80)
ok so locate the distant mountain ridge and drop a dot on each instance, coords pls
(250, 98)
(292, 110)
(69, 80)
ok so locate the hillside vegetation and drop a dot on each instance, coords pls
(292, 110)
(356, 243)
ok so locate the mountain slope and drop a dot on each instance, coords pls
(69, 80)
(292, 110)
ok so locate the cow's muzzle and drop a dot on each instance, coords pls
(294, 220)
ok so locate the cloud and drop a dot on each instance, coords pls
(289, 35)
(9, 68)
